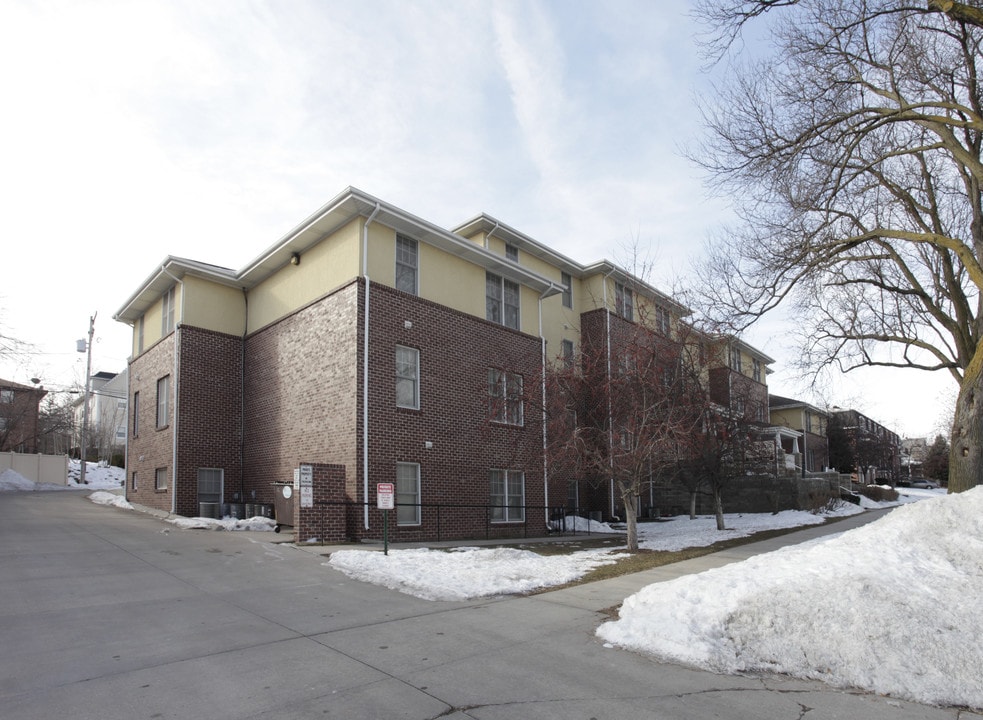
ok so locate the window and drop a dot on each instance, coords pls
(163, 398)
(6, 396)
(507, 495)
(140, 334)
(407, 377)
(502, 301)
(133, 480)
(566, 352)
(407, 494)
(210, 482)
(160, 479)
(136, 413)
(573, 497)
(735, 359)
(407, 264)
(567, 283)
(505, 397)
(624, 304)
(662, 320)
(808, 422)
(756, 369)
(739, 406)
(511, 253)
(167, 312)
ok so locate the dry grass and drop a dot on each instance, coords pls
(643, 559)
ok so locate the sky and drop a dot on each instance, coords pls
(135, 131)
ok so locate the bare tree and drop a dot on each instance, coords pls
(623, 412)
(854, 157)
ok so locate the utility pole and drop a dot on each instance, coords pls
(85, 402)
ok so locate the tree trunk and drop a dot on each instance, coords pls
(718, 508)
(631, 518)
(692, 505)
(966, 448)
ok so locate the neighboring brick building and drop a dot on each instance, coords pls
(863, 447)
(19, 411)
(376, 347)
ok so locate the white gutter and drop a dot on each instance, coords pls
(365, 369)
(177, 395)
(607, 330)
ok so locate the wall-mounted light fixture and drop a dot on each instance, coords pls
(295, 259)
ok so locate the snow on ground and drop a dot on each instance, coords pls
(97, 476)
(467, 572)
(473, 572)
(891, 607)
(102, 497)
(13, 481)
(261, 524)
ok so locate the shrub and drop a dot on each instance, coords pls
(879, 493)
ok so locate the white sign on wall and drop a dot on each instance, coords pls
(306, 486)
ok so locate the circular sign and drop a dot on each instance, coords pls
(287, 491)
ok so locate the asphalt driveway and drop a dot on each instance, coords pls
(107, 613)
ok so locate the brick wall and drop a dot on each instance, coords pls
(326, 519)
(210, 414)
(456, 350)
(150, 447)
(301, 392)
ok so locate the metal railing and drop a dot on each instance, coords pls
(434, 519)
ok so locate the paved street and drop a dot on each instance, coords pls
(110, 614)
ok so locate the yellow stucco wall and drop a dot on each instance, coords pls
(213, 306)
(324, 267)
(152, 330)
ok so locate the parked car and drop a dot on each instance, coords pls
(924, 483)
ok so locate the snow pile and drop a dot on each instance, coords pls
(681, 532)
(101, 497)
(97, 476)
(13, 481)
(260, 524)
(891, 607)
(575, 523)
(466, 573)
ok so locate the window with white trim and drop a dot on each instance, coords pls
(407, 494)
(163, 401)
(160, 478)
(624, 302)
(507, 498)
(505, 397)
(407, 377)
(756, 369)
(662, 320)
(167, 312)
(407, 264)
(566, 353)
(502, 301)
(210, 484)
(736, 362)
(567, 283)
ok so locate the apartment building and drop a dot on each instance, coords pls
(862, 446)
(372, 346)
(812, 422)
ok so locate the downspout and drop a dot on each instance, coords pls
(607, 330)
(242, 398)
(365, 369)
(177, 394)
(542, 344)
(488, 236)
